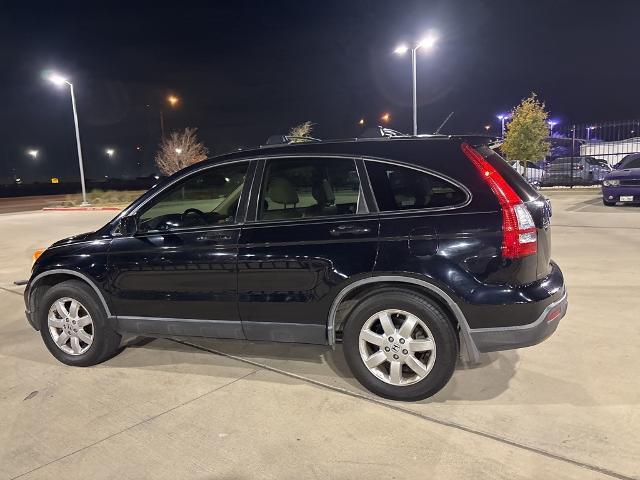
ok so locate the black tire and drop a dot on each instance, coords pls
(608, 204)
(435, 319)
(106, 341)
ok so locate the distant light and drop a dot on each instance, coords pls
(157, 177)
(33, 153)
(226, 179)
(173, 100)
(361, 121)
(18, 180)
(591, 128)
(386, 117)
(487, 127)
(57, 79)
(178, 151)
(110, 152)
(552, 123)
(428, 42)
(138, 147)
(401, 49)
(503, 116)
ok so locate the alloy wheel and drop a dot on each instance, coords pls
(397, 347)
(70, 326)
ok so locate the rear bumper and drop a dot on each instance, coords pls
(507, 338)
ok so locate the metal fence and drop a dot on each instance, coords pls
(584, 154)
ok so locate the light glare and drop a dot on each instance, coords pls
(57, 79)
(428, 42)
(401, 49)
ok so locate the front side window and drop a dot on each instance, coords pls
(204, 199)
(402, 188)
(310, 187)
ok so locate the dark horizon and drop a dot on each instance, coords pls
(245, 71)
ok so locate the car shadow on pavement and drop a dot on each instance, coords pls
(470, 382)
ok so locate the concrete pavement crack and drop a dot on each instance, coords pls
(446, 423)
(146, 420)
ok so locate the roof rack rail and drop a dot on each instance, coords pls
(380, 132)
(286, 139)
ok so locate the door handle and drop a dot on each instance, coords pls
(214, 236)
(349, 230)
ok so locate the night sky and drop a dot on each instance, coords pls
(247, 70)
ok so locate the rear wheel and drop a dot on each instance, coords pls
(400, 345)
(74, 326)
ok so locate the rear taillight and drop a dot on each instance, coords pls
(519, 234)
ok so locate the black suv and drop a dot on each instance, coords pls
(407, 250)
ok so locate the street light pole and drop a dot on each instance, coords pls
(428, 42)
(415, 93)
(59, 80)
(75, 121)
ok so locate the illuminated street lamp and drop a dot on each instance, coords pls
(33, 153)
(552, 123)
(173, 101)
(503, 117)
(361, 121)
(589, 132)
(178, 151)
(386, 117)
(487, 127)
(60, 81)
(110, 152)
(427, 43)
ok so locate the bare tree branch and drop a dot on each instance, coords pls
(179, 150)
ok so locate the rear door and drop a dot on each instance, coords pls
(309, 232)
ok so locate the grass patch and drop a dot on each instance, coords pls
(103, 198)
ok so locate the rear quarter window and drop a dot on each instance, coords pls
(402, 188)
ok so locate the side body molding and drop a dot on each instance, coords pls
(74, 273)
(467, 345)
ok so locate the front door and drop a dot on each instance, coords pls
(177, 275)
(312, 234)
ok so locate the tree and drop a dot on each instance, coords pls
(300, 132)
(527, 133)
(179, 150)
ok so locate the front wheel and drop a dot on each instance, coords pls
(74, 326)
(608, 204)
(400, 345)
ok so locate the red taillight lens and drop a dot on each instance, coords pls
(519, 234)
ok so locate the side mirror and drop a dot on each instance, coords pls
(128, 226)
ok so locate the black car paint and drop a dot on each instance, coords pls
(278, 280)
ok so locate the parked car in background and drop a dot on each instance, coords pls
(630, 161)
(576, 171)
(622, 185)
(530, 171)
(406, 250)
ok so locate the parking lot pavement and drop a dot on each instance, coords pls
(567, 408)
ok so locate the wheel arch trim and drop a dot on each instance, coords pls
(66, 271)
(468, 347)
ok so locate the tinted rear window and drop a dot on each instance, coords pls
(525, 191)
(403, 188)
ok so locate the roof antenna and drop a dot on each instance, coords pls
(442, 124)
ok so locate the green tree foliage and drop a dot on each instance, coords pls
(300, 132)
(526, 136)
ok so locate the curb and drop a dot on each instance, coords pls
(81, 209)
